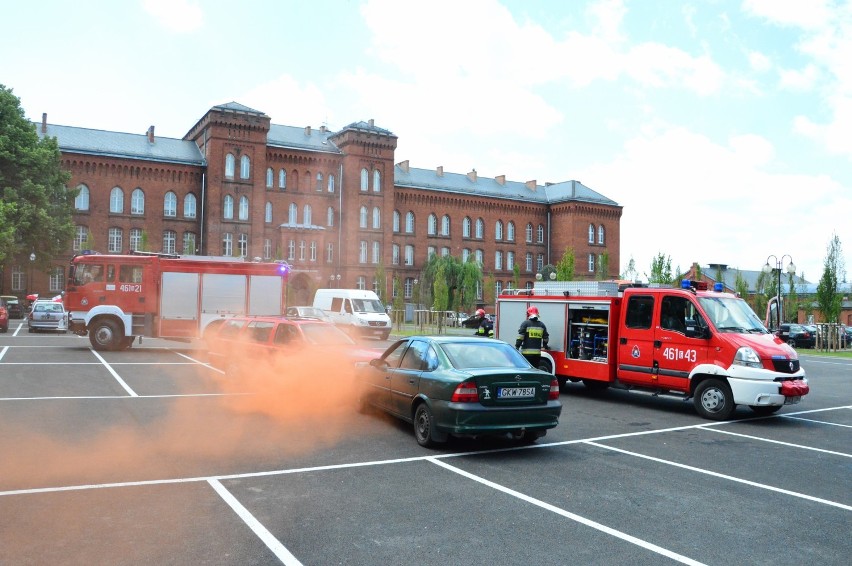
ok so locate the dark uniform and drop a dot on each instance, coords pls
(532, 335)
(485, 328)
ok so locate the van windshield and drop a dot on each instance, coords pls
(730, 314)
(367, 305)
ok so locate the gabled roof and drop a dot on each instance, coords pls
(363, 126)
(117, 144)
(237, 107)
(299, 138)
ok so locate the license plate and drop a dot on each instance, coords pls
(793, 400)
(515, 392)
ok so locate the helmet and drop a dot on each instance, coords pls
(480, 313)
(532, 312)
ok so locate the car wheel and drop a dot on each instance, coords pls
(104, 336)
(764, 410)
(424, 426)
(713, 399)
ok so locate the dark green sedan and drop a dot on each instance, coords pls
(461, 386)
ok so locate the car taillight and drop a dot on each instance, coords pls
(554, 390)
(465, 393)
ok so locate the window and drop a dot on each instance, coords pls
(432, 225)
(540, 234)
(445, 251)
(319, 182)
(245, 167)
(407, 288)
(270, 176)
(81, 201)
(18, 280)
(330, 216)
(169, 242)
(292, 213)
(478, 257)
(362, 217)
(362, 253)
(465, 255)
(510, 261)
(639, 312)
(529, 233)
(377, 181)
(282, 179)
(510, 231)
(601, 235)
(313, 251)
(498, 287)
(498, 260)
(135, 239)
(498, 230)
(480, 228)
(170, 204)
(377, 218)
(591, 233)
(189, 243)
(302, 248)
(591, 263)
(228, 208)
(396, 221)
(116, 201)
(267, 213)
(189, 206)
(529, 263)
(227, 244)
(539, 262)
(445, 225)
(329, 253)
(57, 280)
(81, 234)
(395, 254)
(244, 208)
(229, 166)
(377, 252)
(365, 179)
(307, 215)
(291, 250)
(267, 248)
(331, 183)
(361, 283)
(430, 251)
(409, 222)
(115, 238)
(137, 201)
(409, 255)
(466, 227)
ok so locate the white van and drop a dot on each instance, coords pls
(359, 312)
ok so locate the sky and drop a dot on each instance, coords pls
(722, 127)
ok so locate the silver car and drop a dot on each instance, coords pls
(47, 315)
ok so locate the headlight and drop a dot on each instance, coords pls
(747, 357)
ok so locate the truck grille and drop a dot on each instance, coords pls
(376, 323)
(786, 366)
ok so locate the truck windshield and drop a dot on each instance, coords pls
(367, 305)
(729, 314)
(87, 273)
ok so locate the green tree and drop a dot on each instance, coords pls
(661, 270)
(488, 286)
(470, 278)
(740, 285)
(398, 305)
(516, 276)
(566, 266)
(602, 268)
(35, 207)
(630, 274)
(440, 291)
(828, 296)
(380, 279)
(460, 278)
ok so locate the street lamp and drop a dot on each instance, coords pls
(30, 279)
(768, 268)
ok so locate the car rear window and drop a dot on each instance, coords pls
(485, 354)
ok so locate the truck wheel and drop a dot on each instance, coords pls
(713, 399)
(764, 410)
(127, 342)
(104, 336)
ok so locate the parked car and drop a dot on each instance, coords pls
(13, 305)
(47, 315)
(4, 317)
(796, 335)
(239, 343)
(307, 312)
(461, 386)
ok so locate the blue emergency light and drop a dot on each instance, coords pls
(686, 284)
(718, 287)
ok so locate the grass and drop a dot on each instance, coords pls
(845, 354)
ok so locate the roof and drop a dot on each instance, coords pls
(729, 278)
(467, 184)
(301, 138)
(117, 144)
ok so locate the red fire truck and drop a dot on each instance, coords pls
(688, 342)
(115, 298)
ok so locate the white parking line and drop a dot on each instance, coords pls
(790, 444)
(724, 476)
(567, 514)
(115, 375)
(280, 551)
(3, 351)
(808, 420)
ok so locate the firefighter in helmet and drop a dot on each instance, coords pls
(532, 336)
(484, 328)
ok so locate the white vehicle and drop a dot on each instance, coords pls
(360, 312)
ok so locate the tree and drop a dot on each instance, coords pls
(440, 292)
(630, 274)
(35, 207)
(566, 266)
(828, 296)
(398, 305)
(602, 271)
(740, 285)
(461, 279)
(380, 280)
(661, 270)
(516, 275)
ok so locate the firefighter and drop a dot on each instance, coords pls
(484, 328)
(532, 335)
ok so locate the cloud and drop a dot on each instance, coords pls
(287, 101)
(181, 16)
(799, 80)
(759, 62)
(794, 13)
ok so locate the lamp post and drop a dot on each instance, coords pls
(30, 278)
(768, 268)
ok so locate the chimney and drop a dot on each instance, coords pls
(472, 175)
(151, 134)
(323, 129)
(440, 170)
(403, 165)
(307, 130)
(372, 123)
(531, 185)
(501, 180)
(44, 122)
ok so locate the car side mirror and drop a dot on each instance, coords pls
(379, 363)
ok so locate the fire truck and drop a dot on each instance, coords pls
(688, 342)
(116, 298)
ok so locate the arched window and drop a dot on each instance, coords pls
(498, 260)
(445, 225)
(170, 204)
(282, 179)
(331, 183)
(228, 208)
(227, 244)
(377, 218)
(244, 208)
(307, 214)
(478, 255)
(245, 167)
(137, 202)
(591, 233)
(466, 227)
(510, 231)
(432, 225)
(270, 176)
(498, 230)
(528, 263)
(591, 263)
(319, 182)
(292, 213)
(409, 222)
(540, 233)
(330, 218)
(480, 228)
(529, 233)
(242, 243)
(377, 181)
(116, 201)
(601, 235)
(169, 242)
(189, 205)
(362, 217)
(365, 179)
(81, 201)
(267, 215)
(396, 221)
(189, 243)
(229, 166)
(81, 234)
(395, 254)
(465, 255)
(135, 239)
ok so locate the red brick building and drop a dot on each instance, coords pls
(334, 205)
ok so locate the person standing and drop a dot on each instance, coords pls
(484, 328)
(532, 335)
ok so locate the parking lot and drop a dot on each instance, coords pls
(152, 456)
